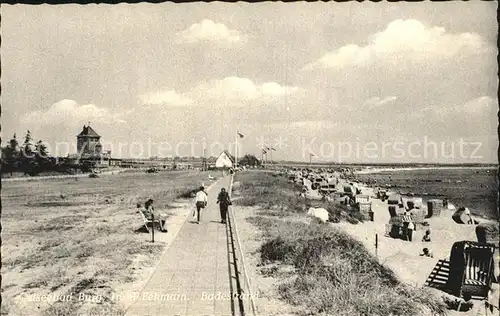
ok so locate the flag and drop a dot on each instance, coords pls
(312, 155)
(267, 148)
(240, 135)
(273, 149)
(264, 151)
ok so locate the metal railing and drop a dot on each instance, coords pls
(247, 281)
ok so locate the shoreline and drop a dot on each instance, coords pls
(397, 169)
(484, 216)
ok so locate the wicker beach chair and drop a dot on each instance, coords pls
(471, 269)
(434, 208)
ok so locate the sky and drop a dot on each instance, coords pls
(340, 82)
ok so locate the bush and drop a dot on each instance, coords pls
(186, 193)
(336, 275)
(277, 249)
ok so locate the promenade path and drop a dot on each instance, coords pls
(194, 274)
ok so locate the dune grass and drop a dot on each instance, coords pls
(263, 190)
(332, 273)
(276, 196)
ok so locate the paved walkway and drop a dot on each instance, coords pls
(194, 276)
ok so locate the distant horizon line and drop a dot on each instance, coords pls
(317, 163)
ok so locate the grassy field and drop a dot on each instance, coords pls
(79, 239)
(319, 269)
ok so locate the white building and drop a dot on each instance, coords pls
(224, 161)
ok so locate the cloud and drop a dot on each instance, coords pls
(474, 118)
(170, 97)
(481, 105)
(209, 31)
(402, 39)
(274, 89)
(229, 88)
(237, 88)
(478, 107)
(376, 101)
(68, 111)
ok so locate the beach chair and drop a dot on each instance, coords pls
(434, 208)
(394, 199)
(471, 269)
(148, 221)
(388, 230)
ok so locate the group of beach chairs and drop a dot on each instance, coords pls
(471, 265)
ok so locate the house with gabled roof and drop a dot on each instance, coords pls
(225, 160)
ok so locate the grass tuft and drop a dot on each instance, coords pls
(188, 193)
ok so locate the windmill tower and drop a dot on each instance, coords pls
(88, 144)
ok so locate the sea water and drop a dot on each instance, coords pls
(474, 188)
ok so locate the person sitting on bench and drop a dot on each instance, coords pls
(149, 212)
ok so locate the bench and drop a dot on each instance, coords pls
(149, 221)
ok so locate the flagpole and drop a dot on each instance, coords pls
(264, 157)
(236, 152)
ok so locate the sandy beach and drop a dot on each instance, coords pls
(403, 256)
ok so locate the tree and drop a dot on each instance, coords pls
(249, 160)
(28, 145)
(13, 144)
(41, 149)
(11, 151)
(5, 154)
(10, 155)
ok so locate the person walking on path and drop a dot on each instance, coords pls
(224, 201)
(201, 202)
